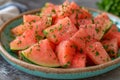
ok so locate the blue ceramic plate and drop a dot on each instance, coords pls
(54, 73)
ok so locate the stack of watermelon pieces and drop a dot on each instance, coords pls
(66, 36)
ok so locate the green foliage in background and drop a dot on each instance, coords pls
(112, 6)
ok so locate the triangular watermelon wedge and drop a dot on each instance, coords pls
(41, 54)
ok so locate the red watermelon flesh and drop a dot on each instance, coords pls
(79, 60)
(65, 52)
(111, 31)
(62, 30)
(24, 41)
(85, 21)
(111, 46)
(73, 11)
(81, 39)
(97, 53)
(29, 37)
(42, 54)
(45, 21)
(104, 21)
(50, 9)
(18, 30)
(31, 18)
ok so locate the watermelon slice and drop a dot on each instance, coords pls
(29, 37)
(78, 61)
(62, 30)
(81, 39)
(97, 53)
(113, 33)
(65, 52)
(50, 9)
(112, 30)
(31, 18)
(24, 41)
(41, 54)
(20, 29)
(111, 46)
(73, 11)
(85, 21)
(105, 23)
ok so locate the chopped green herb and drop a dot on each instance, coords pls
(30, 51)
(88, 37)
(97, 30)
(45, 32)
(36, 26)
(93, 21)
(38, 37)
(107, 59)
(76, 17)
(49, 20)
(67, 64)
(51, 30)
(74, 46)
(19, 42)
(97, 53)
(105, 46)
(54, 36)
(34, 20)
(60, 27)
(53, 10)
(68, 23)
(111, 52)
(72, 10)
(91, 46)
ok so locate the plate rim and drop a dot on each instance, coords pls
(53, 70)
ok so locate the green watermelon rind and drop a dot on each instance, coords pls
(26, 60)
(16, 49)
(32, 62)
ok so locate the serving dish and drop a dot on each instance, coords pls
(54, 73)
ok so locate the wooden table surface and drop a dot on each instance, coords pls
(8, 72)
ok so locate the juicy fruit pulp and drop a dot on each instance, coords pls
(66, 36)
(42, 54)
